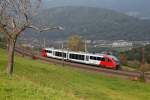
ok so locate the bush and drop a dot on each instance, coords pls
(133, 64)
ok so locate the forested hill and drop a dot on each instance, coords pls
(94, 23)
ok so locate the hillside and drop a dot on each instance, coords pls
(35, 80)
(138, 7)
(93, 23)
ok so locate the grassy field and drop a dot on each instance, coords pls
(34, 80)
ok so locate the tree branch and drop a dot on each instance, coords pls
(45, 29)
(13, 24)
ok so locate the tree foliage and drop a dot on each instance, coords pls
(123, 58)
(75, 43)
(136, 54)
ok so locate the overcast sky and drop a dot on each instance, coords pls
(134, 4)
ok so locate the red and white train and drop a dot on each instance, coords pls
(103, 60)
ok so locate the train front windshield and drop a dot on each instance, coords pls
(116, 60)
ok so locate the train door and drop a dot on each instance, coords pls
(86, 59)
(53, 53)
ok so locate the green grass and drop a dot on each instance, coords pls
(34, 80)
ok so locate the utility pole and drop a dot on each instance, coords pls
(142, 76)
(143, 57)
(85, 45)
(62, 45)
(44, 43)
(63, 54)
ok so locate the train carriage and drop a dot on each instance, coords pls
(103, 60)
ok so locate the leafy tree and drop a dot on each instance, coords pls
(75, 43)
(148, 58)
(123, 58)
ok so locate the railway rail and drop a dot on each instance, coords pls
(132, 75)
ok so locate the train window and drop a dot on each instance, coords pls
(60, 54)
(103, 59)
(98, 58)
(64, 55)
(81, 57)
(93, 58)
(106, 60)
(76, 56)
(71, 56)
(48, 51)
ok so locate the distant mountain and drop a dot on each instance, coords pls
(140, 7)
(93, 23)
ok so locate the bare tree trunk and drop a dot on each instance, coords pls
(7, 44)
(11, 50)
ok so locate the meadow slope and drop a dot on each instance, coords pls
(35, 80)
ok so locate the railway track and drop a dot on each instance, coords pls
(132, 75)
